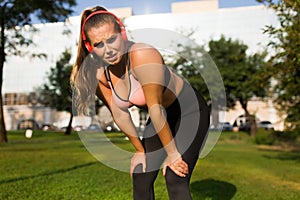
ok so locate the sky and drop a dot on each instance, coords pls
(141, 7)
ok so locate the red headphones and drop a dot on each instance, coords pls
(88, 44)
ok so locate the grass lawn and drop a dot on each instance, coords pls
(54, 166)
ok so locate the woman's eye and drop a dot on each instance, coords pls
(100, 45)
(112, 39)
(108, 41)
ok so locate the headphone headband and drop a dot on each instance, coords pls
(84, 38)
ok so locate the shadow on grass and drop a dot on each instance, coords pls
(59, 171)
(212, 189)
(285, 156)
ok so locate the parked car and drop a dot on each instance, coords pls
(78, 128)
(28, 124)
(111, 128)
(64, 128)
(245, 127)
(108, 128)
(226, 126)
(93, 127)
(49, 127)
(266, 125)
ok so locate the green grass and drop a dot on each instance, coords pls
(54, 166)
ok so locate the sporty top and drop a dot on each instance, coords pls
(136, 94)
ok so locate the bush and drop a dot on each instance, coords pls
(269, 137)
(286, 136)
(265, 137)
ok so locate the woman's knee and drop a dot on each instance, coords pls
(144, 181)
(143, 188)
(178, 187)
(175, 182)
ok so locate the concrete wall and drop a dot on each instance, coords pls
(195, 6)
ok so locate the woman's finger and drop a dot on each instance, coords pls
(165, 169)
(144, 166)
(178, 172)
(132, 167)
(182, 168)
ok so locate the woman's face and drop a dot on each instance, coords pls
(107, 43)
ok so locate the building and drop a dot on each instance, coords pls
(205, 17)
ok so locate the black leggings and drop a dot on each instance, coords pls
(188, 118)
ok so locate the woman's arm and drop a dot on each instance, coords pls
(124, 121)
(121, 117)
(148, 68)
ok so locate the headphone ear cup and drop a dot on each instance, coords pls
(123, 34)
(88, 46)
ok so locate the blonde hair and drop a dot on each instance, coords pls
(83, 77)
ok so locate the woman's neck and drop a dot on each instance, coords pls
(119, 69)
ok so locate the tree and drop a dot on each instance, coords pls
(285, 61)
(243, 74)
(196, 66)
(56, 92)
(16, 19)
(187, 62)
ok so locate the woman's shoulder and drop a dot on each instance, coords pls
(139, 45)
(144, 51)
(101, 76)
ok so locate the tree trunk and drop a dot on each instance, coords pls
(253, 126)
(252, 122)
(251, 118)
(69, 128)
(3, 134)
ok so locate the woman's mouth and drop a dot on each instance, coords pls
(112, 58)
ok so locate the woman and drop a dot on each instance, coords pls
(125, 74)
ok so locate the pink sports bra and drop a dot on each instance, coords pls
(136, 94)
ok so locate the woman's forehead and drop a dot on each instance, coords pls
(101, 32)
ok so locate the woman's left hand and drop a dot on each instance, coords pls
(138, 158)
(177, 165)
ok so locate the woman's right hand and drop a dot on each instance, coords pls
(176, 164)
(138, 158)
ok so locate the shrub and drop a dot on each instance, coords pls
(269, 137)
(265, 137)
(286, 135)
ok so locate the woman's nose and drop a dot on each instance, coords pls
(108, 49)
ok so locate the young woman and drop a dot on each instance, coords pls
(124, 74)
